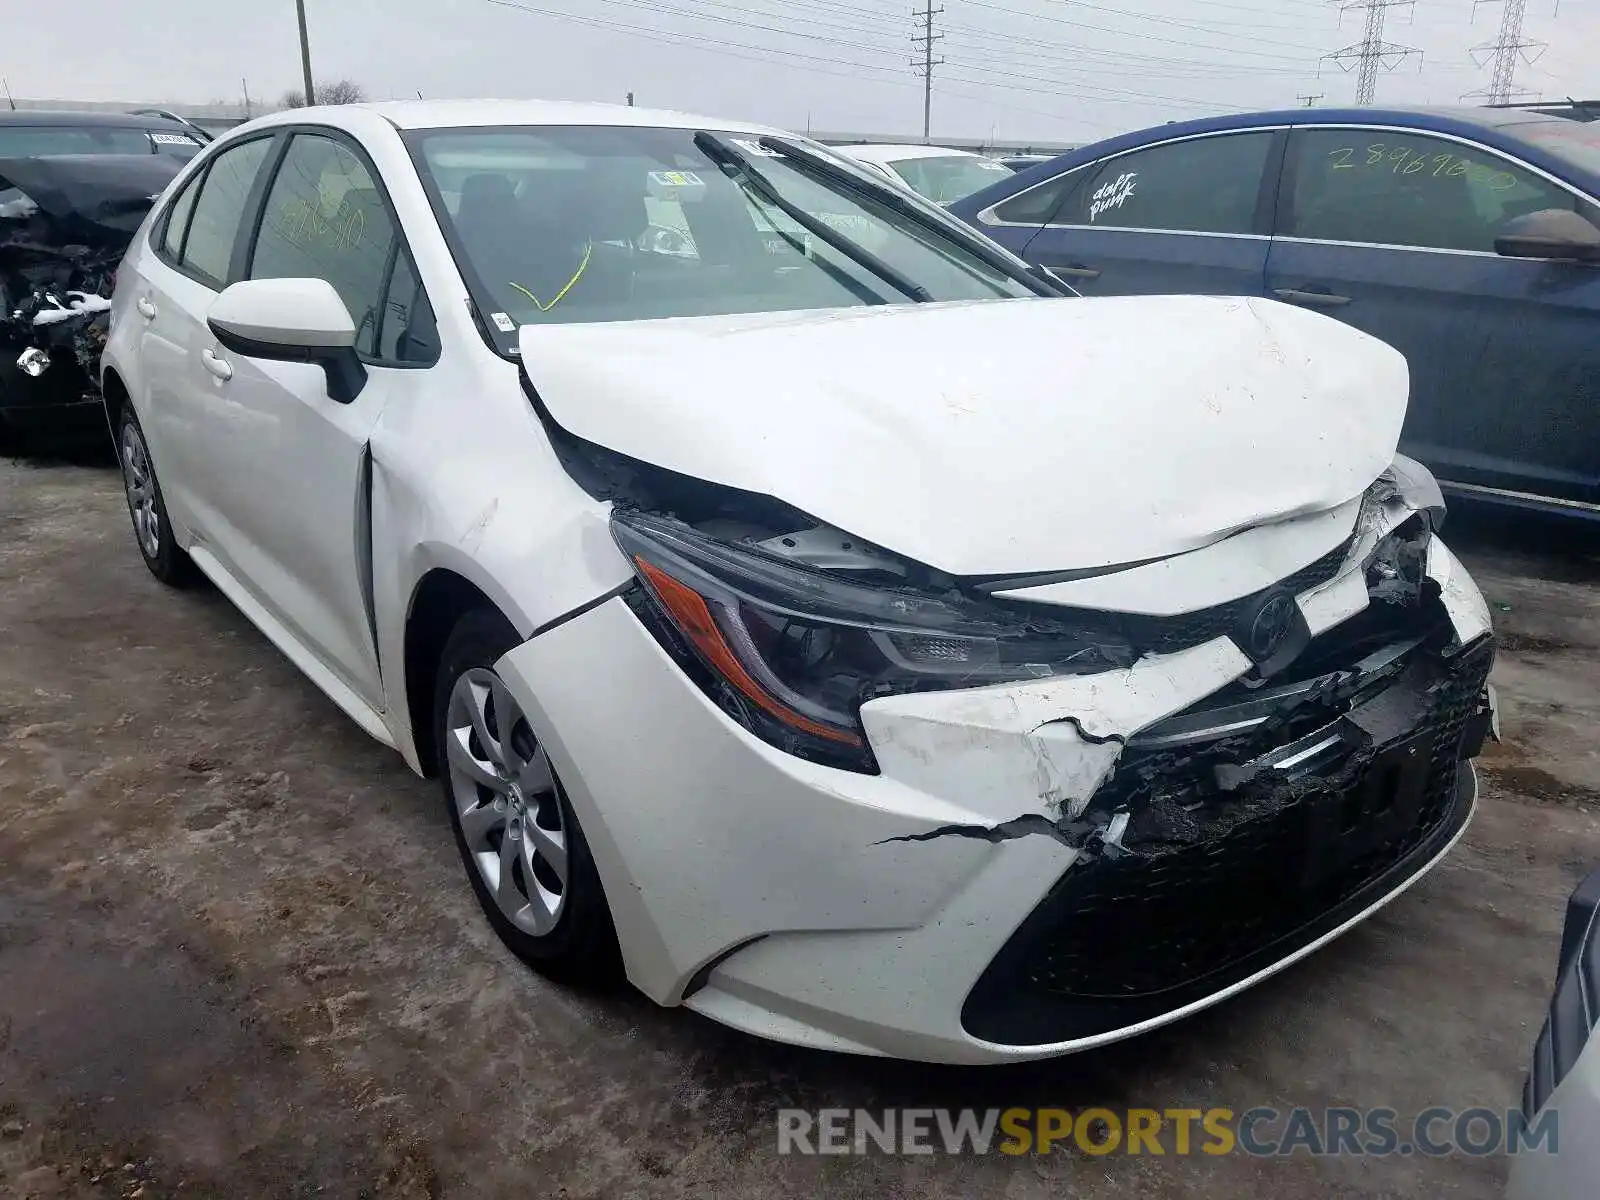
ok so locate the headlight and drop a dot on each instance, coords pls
(1414, 484)
(792, 653)
(1399, 563)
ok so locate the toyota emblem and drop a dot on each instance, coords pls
(1273, 619)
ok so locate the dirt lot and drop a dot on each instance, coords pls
(238, 956)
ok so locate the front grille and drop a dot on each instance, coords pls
(1209, 885)
(1165, 635)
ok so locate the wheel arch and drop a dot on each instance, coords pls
(114, 392)
(438, 601)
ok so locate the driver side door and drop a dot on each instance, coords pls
(1393, 231)
(287, 462)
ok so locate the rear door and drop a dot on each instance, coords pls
(192, 244)
(1392, 231)
(1184, 216)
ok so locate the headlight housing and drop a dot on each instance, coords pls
(792, 653)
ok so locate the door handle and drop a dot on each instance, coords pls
(1311, 299)
(146, 308)
(1074, 271)
(216, 364)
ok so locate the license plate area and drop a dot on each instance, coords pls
(1383, 807)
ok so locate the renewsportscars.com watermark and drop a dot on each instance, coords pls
(1256, 1132)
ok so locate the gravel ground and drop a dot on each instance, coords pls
(238, 956)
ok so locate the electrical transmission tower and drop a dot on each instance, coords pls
(1372, 53)
(923, 40)
(1503, 53)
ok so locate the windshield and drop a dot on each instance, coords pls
(1576, 141)
(946, 180)
(559, 224)
(31, 141)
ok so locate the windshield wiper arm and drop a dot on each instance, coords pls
(724, 155)
(973, 243)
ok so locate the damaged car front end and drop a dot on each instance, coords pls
(65, 223)
(969, 819)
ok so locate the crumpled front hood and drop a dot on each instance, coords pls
(1000, 437)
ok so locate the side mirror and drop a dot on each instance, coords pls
(1555, 233)
(292, 320)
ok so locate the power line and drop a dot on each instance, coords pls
(1503, 53)
(1081, 59)
(1186, 43)
(924, 40)
(1205, 27)
(771, 55)
(1371, 53)
(988, 76)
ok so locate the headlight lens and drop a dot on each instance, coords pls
(793, 653)
(1415, 484)
(1399, 563)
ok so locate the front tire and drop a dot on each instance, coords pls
(519, 840)
(152, 531)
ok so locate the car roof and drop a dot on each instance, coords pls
(1423, 116)
(104, 120)
(452, 114)
(888, 152)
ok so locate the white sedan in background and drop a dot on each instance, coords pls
(939, 174)
(865, 646)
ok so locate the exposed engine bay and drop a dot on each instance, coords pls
(65, 223)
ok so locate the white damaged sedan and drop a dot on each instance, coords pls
(819, 620)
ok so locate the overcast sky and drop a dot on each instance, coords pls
(1016, 69)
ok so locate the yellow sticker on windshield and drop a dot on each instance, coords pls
(676, 179)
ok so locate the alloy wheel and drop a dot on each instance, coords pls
(140, 482)
(506, 798)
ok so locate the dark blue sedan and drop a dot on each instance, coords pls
(1467, 238)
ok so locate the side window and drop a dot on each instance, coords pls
(1202, 185)
(217, 210)
(407, 332)
(178, 220)
(1039, 204)
(1395, 188)
(324, 218)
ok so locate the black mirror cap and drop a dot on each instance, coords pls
(1550, 233)
(345, 372)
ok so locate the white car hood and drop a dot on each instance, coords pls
(997, 437)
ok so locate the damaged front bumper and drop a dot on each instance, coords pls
(1221, 845)
(1039, 867)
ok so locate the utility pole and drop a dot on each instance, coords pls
(1310, 101)
(9, 98)
(1372, 53)
(1503, 53)
(305, 52)
(924, 41)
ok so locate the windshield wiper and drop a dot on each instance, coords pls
(724, 155)
(971, 242)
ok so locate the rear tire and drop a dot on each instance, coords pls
(152, 531)
(519, 840)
